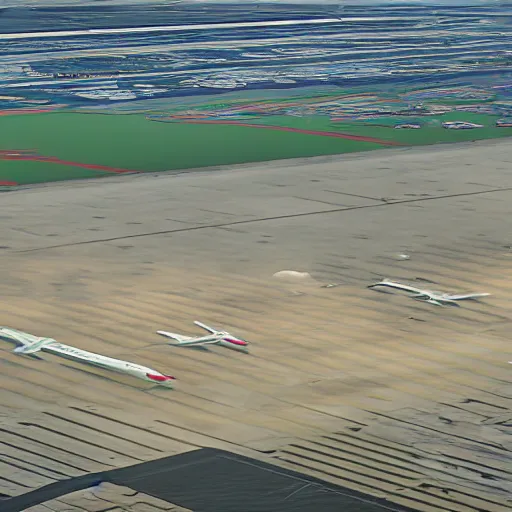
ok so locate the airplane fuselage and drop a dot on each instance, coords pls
(104, 362)
(109, 363)
(221, 338)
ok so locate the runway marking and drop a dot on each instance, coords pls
(338, 135)
(24, 155)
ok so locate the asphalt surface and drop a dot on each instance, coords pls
(373, 392)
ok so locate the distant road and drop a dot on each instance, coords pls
(203, 26)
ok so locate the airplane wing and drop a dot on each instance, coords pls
(467, 296)
(205, 327)
(442, 301)
(174, 336)
(188, 340)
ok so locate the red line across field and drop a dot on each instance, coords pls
(23, 155)
(20, 111)
(338, 135)
(4, 183)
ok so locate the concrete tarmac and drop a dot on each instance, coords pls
(373, 391)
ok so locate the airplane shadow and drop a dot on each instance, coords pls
(389, 292)
(170, 345)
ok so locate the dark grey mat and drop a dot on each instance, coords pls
(210, 480)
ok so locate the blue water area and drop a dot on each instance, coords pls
(119, 16)
(413, 46)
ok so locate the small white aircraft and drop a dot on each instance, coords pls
(461, 125)
(432, 297)
(222, 338)
(29, 344)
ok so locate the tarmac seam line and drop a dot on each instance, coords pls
(265, 219)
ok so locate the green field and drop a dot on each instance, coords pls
(130, 141)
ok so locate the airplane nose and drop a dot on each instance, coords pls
(160, 378)
(237, 341)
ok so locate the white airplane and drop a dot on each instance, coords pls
(461, 125)
(222, 338)
(29, 344)
(432, 297)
